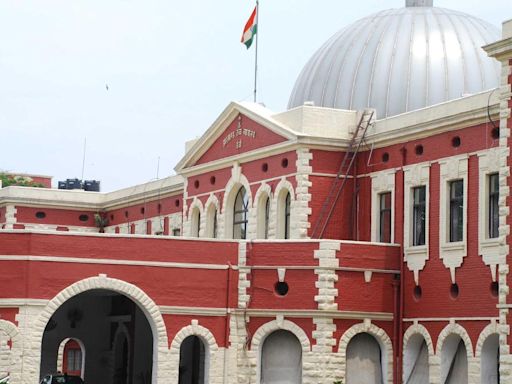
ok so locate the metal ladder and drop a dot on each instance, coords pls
(343, 175)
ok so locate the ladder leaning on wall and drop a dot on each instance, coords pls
(342, 176)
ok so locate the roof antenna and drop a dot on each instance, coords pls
(83, 160)
(158, 167)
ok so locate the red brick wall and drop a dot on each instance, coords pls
(164, 206)
(264, 137)
(54, 216)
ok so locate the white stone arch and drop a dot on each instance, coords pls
(10, 331)
(160, 371)
(384, 342)
(282, 189)
(489, 330)
(211, 208)
(454, 329)
(486, 332)
(60, 354)
(263, 193)
(415, 330)
(237, 181)
(195, 218)
(275, 325)
(458, 330)
(212, 373)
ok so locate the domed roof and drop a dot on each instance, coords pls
(400, 60)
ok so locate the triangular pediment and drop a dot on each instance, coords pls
(241, 128)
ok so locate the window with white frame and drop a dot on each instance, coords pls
(453, 185)
(383, 197)
(488, 208)
(416, 216)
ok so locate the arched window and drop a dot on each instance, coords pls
(195, 222)
(490, 358)
(192, 361)
(283, 215)
(240, 214)
(211, 223)
(364, 360)
(281, 359)
(72, 358)
(287, 203)
(454, 361)
(263, 216)
(416, 369)
(267, 217)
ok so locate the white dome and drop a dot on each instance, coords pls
(400, 60)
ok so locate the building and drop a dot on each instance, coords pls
(361, 236)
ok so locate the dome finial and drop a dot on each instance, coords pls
(419, 3)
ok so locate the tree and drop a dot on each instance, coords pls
(19, 181)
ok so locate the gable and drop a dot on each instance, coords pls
(241, 135)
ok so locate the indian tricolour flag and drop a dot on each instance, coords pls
(250, 29)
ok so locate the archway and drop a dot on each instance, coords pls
(364, 360)
(454, 360)
(490, 358)
(71, 357)
(114, 331)
(192, 361)
(416, 367)
(281, 359)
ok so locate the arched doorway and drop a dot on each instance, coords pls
(71, 357)
(490, 358)
(192, 361)
(454, 361)
(115, 333)
(281, 359)
(416, 368)
(364, 360)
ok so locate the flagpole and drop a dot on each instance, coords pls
(256, 53)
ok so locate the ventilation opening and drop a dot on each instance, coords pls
(142, 210)
(83, 217)
(264, 167)
(281, 288)
(177, 202)
(385, 157)
(419, 150)
(494, 289)
(417, 292)
(284, 163)
(456, 142)
(495, 133)
(454, 291)
(40, 215)
(196, 184)
(212, 180)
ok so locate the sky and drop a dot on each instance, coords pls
(136, 79)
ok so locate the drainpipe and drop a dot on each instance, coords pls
(396, 327)
(226, 328)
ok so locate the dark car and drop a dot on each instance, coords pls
(62, 379)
